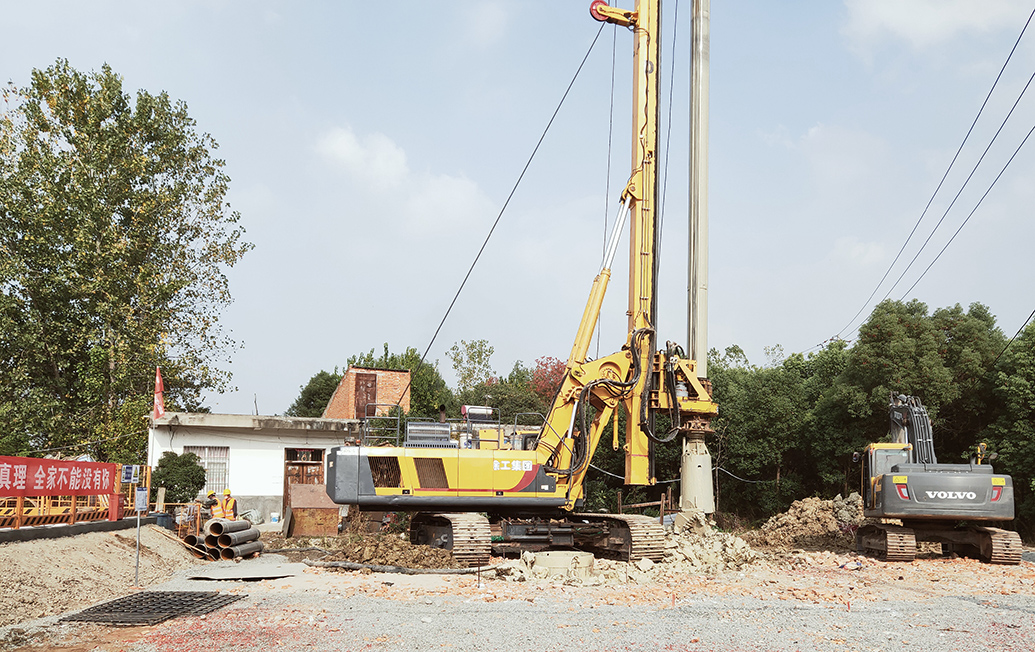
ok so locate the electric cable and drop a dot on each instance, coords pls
(506, 203)
(963, 187)
(1026, 322)
(737, 477)
(668, 131)
(940, 183)
(971, 214)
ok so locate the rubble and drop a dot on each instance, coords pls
(813, 523)
(695, 545)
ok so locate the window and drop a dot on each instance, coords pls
(216, 460)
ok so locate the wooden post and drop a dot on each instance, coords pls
(19, 513)
(619, 500)
(75, 506)
(661, 510)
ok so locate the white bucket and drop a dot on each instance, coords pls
(274, 517)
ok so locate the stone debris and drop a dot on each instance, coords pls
(694, 545)
(813, 523)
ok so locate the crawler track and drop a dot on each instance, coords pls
(1001, 546)
(467, 535)
(632, 536)
(894, 542)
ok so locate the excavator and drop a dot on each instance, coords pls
(902, 479)
(468, 492)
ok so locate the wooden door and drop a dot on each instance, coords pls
(366, 395)
(301, 466)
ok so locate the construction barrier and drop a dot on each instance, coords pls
(39, 491)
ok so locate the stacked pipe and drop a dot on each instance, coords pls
(225, 539)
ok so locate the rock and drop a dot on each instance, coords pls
(645, 564)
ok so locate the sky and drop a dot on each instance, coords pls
(371, 146)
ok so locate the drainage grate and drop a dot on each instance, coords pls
(153, 607)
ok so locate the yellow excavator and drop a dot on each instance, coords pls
(469, 490)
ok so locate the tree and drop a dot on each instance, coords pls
(315, 396)
(114, 237)
(547, 376)
(181, 475)
(427, 388)
(511, 396)
(471, 363)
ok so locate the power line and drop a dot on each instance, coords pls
(506, 203)
(992, 185)
(941, 182)
(1026, 322)
(965, 183)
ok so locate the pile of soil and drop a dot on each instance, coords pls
(813, 524)
(696, 546)
(52, 576)
(376, 549)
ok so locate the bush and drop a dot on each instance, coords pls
(181, 475)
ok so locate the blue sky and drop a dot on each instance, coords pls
(371, 146)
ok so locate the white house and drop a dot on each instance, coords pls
(256, 457)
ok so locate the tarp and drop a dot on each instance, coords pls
(34, 476)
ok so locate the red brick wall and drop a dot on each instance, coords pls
(390, 385)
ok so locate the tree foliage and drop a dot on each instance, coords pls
(315, 395)
(471, 362)
(181, 475)
(114, 236)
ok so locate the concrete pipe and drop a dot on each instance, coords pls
(199, 551)
(213, 553)
(243, 550)
(190, 540)
(219, 526)
(212, 541)
(237, 538)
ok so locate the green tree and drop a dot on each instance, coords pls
(181, 475)
(114, 237)
(471, 363)
(1012, 435)
(427, 388)
(315, 395)
(511, 396)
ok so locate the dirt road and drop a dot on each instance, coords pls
(787, 601)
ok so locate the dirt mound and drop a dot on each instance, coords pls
(813, 523)
(376, 549)
(51, 576)
(696, 545)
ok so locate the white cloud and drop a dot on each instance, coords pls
(376, 161)
(420, 203)
(924, 23)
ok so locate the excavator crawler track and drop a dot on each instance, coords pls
(1000, 546)
(467, 535)
(643, 536)
(894, 542)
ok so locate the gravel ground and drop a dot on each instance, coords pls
(810, 604)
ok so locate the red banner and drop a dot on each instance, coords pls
(34, 476)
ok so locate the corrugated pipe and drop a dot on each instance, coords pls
(219, 526)
(237, 538)
(243, 550)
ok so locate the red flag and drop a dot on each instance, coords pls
(159, 388)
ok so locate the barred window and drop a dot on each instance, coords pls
(216, 460)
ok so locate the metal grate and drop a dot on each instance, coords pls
(153, 607)
(385, 471)
(431, 473)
